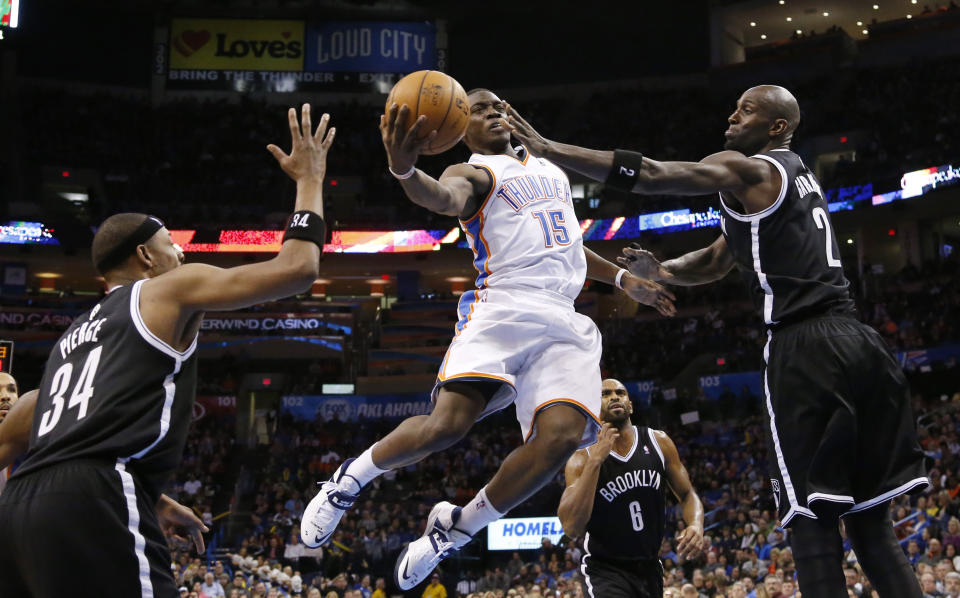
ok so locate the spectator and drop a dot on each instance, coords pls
(435, 589)
(212, 587)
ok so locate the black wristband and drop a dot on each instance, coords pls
(625, 171)
(306, 226)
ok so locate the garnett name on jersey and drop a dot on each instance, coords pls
(637, 478)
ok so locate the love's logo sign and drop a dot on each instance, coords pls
(189, 42)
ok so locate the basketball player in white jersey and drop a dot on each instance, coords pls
(519, 339)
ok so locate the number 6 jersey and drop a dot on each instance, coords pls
(112, 391)
(628, 509)
(526, 232)
(788, 253)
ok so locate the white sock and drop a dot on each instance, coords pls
(478, 514)
(360, 473)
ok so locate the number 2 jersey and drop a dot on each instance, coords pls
(526, 234)
(628, 509)
(788, 253)
(113, 391)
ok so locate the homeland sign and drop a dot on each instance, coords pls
(524, 533)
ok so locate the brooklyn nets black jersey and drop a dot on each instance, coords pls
(788, 253)
(628, 509)
(113, 391)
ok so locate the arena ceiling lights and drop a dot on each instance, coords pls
(767, 21)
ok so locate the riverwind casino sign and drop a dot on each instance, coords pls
(240, 324)
(280, 55)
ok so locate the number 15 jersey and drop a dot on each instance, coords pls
(526, 234)
(113, 391)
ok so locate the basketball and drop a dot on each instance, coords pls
(441, 99)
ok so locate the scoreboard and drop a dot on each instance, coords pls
(10, 13)
(6, 356)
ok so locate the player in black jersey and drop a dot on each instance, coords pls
(615, 496)
(112, 411)
(841, 432)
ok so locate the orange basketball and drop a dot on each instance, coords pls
(441, 99)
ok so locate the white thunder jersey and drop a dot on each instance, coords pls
(526, 234)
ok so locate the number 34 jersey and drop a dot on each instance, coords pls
(788, 253)
(627, 521)
(526, 234)
(113, 391)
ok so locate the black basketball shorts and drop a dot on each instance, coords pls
(81, 528)
(605, 578)
(841, 433)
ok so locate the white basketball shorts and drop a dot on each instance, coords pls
(543, 351)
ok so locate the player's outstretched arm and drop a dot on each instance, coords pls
(581, 474)
(640, 289)
(455, 194)
(630, 171)
(697, 267)
(15, 429)
(691, 538)
(176, 519)
(199, 287)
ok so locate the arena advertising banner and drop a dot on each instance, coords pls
(19, 232)
(371, 47)
(214, 406)
(715, 385)
(355, 408)
(285, 56)
(272, 324)
(236, 45)
(523, 533)
(30, 318)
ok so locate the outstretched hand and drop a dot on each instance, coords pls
(640, 262)
(650, 293)
(307, 160)
(535, 143)
(175, 519)
(403, 144)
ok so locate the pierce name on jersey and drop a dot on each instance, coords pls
(88, 332)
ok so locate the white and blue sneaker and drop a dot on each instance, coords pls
(440, 540)
(323, 514)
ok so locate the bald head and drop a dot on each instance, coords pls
(778, 102)
(765, 118)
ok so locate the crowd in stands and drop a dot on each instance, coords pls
(193, 160)
(746, 555)
(258, 552)
(912, 309)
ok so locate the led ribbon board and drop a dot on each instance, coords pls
(18, 232)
